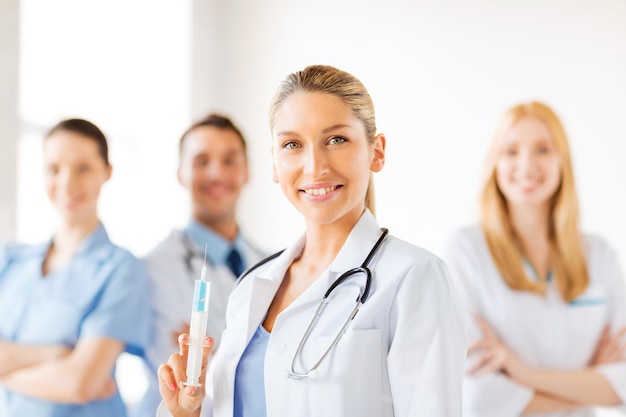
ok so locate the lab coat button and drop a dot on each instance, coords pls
(280, 348)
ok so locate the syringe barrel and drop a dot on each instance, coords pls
(197, 331)
(201, 294)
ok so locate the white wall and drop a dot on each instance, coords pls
(125, 66)
(9, 53)
(440, 74)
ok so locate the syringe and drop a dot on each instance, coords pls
(197, 327)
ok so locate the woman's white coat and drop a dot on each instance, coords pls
(402, 355)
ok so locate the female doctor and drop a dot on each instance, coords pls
(547, 300)
(70, 306)
(403, 352)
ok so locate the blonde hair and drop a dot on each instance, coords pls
(569, 268)
(330, 80)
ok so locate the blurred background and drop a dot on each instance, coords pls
(440, 73)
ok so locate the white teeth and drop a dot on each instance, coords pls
(319, 191)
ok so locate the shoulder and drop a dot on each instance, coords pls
(465, 243)
(97, 250)
(407, 253)
(107, 252)
(412, 273)
(124, 274)
(11, 252)
(173, 242)
(122, 262)
(464, 238)
(109, 261)
(596, 244)
(170, 253)
(600, 255)
(408, 261)
(469, 259)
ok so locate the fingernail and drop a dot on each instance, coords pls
(191, 390)
(173, 386)
(181, 337)
(209, 341)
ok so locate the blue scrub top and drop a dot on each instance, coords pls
(249, 395)
(101, 293)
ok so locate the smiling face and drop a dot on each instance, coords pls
(74, 173)
(323, 158)
(528, 168)
(213, 168)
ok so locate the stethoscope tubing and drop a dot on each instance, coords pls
(191, 252)
(328, 296)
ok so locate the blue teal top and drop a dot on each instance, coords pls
(249, 382)
(101, 293)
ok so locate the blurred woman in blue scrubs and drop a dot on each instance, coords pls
(70, 306)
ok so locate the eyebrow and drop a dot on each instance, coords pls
(328, 129)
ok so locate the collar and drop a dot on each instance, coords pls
(357, 246)
(96, 245)
(218, 248)
(264, 283)
(531, 272)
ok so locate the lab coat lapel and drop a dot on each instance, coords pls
(359, 243)
(262, 293)
(264, 284)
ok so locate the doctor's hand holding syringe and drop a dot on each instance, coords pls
(174, 390)
(187, 390)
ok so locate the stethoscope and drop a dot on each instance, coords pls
(190, 253)
(330, 293)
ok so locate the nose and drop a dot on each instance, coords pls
(527, 163)
(215, 170)
(66, 180)
(315, 162)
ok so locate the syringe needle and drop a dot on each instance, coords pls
(203, 271)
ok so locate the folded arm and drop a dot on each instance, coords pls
(588, 386)
(585, 387)
(14, 356)
(82, 376)
(545, 403)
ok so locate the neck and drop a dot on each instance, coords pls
(530, 223)
(322, 246)
(324, 241)
(227, 228)
(531, 227)
(69, 236)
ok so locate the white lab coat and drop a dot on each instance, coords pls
(402, 355)
(172, 292)
(544, 332)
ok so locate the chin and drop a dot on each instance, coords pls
(529, 202)
(322, 218)
(68, 212)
